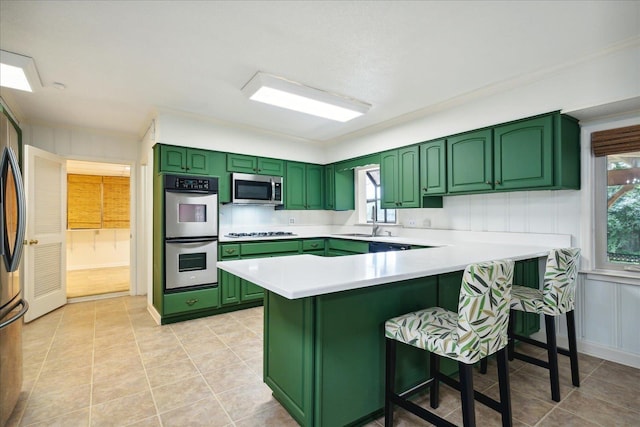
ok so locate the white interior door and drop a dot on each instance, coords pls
(45, 252)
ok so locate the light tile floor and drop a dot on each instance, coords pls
(106, 363)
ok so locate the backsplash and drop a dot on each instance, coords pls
(551, 212)
(258, 218)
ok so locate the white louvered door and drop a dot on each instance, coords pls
(45, 251)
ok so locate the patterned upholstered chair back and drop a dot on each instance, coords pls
(560, 281)
(483, 308)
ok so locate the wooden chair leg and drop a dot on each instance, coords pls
(467, 395)
(573, 348)
(505, 393)
(434, 390)
(552, 351)
(511, 343)
(390, 377)
(483, 365)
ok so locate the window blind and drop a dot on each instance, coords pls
(615, 141)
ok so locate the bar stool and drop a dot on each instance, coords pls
(478, 329)
(557, 297)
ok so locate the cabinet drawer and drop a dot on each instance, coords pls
(229, 251)
(313, 245)
(191, 300)
(269, 247)
(349, 246)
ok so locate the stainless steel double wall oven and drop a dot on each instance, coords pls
(191, 232)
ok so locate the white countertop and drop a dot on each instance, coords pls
(302, 276)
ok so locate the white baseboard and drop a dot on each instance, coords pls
(97, 297)
(94, 266)
(154, 314)
(592, 349)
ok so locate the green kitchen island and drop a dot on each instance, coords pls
(324, 321)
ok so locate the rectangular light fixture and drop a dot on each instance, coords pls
(18, 72)
(284, 93)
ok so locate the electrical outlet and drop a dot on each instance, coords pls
(292, 220)
(411, 223)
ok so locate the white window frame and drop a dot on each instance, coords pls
(594, 187)
(361, 196)
(600, 216)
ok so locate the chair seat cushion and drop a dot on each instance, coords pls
(432, 329)
(525, 299)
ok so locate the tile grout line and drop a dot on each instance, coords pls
(144, 368)
(35, 382)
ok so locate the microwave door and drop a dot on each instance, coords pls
(14, 218)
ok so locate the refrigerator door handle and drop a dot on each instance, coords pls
(9, 161)
(25, 307)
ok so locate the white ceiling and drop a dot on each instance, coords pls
(121, 59)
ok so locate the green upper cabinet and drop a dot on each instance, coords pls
(400, 178)
(548, 150)
(330, 187)
(185, 160)
(523, 156)
(433, 168)
(541, 152)
(219, 169)
(256, 165)
(339, 188)
(304, 186)
(470, 162)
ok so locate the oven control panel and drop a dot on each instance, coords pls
(190, 184)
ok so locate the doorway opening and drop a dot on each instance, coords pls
(98, 229)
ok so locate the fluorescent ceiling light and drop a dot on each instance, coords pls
(18, 72)
(284, 93)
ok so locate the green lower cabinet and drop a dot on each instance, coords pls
(289, 354)
(346, 247)
(313, 344)
(325, 356)
(230, 288)
(180, 302)
(250, 291)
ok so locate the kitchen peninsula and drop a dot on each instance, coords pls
(324, 319)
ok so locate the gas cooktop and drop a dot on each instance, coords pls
(261, 234)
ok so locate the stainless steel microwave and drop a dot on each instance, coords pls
(248, 189)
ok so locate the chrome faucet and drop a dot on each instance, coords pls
(376, 227)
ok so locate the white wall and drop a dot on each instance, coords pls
(594, 81)
(98, 248)
(94, 145)
(196, 131)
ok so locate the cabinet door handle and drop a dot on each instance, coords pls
(425, 189)
(314, 245)
(33, 242)
(190, 302)
(229, 251)
(187, 168)
(498, 182)
(488, 182)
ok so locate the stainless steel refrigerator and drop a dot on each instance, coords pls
(12, 228)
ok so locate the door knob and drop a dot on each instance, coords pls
(33, 242)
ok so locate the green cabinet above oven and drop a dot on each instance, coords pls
(257, 165)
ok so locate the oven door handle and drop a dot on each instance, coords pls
(194, 240)
(25, 307)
